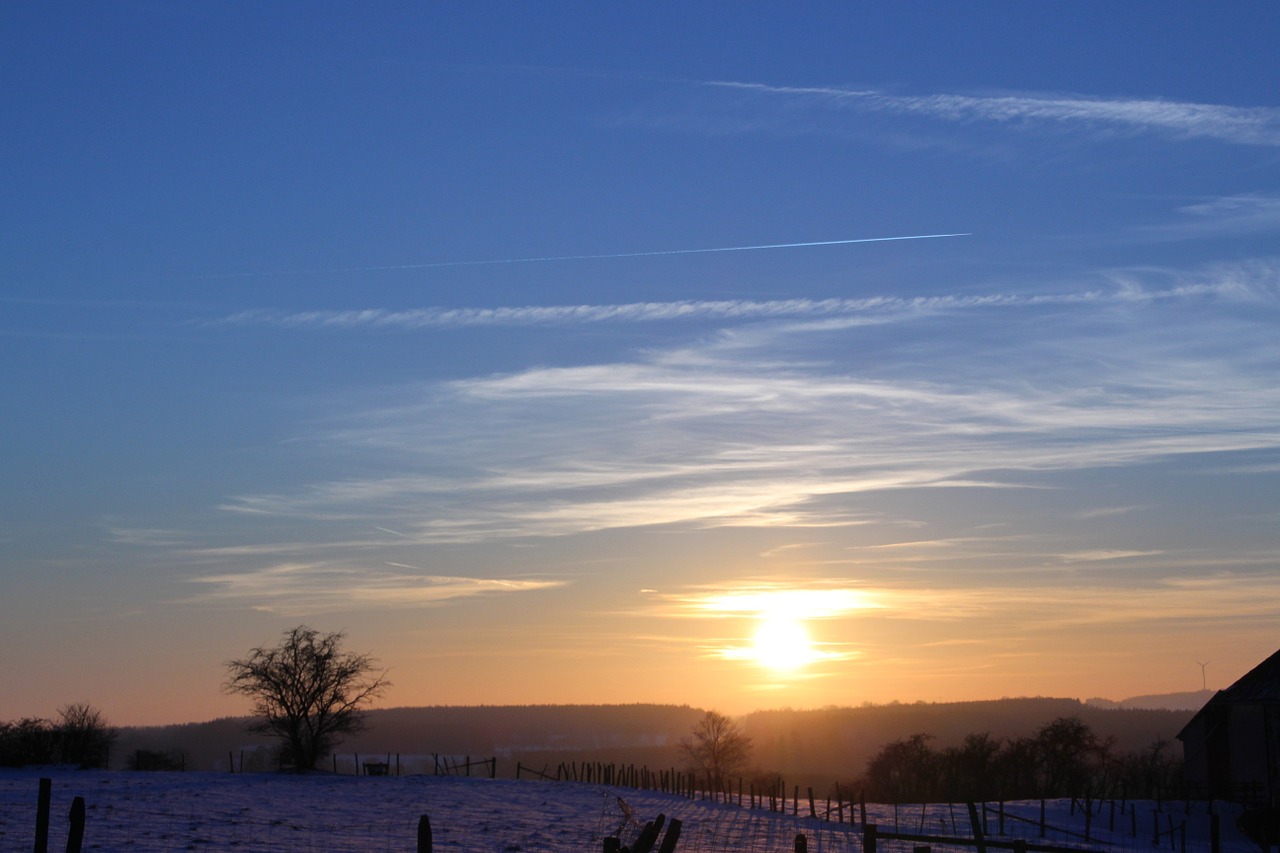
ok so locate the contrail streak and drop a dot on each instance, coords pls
(553, 258)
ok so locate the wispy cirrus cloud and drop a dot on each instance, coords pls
(306, 588)
(874, 309)
(1224, 216)
(769, 424)
(1180, 119)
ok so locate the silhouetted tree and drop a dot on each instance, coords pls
(1071, 756)
(717, 747)
(83, 736)
(307, 691)
(25, 742)
(905, 770)
(968, 770)
(1017, 769)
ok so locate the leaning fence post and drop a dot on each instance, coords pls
(43, 799)
(75, 834)
(424, 834)
(672, 837)
(979, 840)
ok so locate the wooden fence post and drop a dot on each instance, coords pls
(424, 834)
(868, 837)
(802, 843)
(649, 835)
(813, 812)
(75, 833)
(43, 799)
(979, 840)
(672, 837)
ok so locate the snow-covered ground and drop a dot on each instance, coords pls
(145, 812)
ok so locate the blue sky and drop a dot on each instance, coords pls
(397, 320)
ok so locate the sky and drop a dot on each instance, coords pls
(741, 355)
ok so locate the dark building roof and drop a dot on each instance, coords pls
(1258, 686)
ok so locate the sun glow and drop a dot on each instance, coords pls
(782, 643)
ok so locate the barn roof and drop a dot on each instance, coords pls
(1258, 686)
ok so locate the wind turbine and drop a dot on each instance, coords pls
(1203, 684)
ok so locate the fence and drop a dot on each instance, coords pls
(1078, 824)
(261, 760)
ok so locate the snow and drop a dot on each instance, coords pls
(323, 812)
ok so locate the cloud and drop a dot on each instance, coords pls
(785, 410)
(867, 310)
(1178, 119)
(304, 588)
(795, 599)
(1225, 216)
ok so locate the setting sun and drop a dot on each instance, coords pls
(777, 637)
(781, 643)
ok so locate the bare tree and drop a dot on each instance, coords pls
(307, 691)
(84, 736)
(717, 747)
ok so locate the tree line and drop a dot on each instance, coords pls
(80, 736)
(1064, 758)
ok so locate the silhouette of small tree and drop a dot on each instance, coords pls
(307, 691)
(718, 748)
(83, 736)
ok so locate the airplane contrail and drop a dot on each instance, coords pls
(552, 258)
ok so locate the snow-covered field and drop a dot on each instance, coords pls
(266, 812)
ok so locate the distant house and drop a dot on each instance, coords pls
(1231, 747)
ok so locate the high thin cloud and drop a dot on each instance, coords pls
(302, 588)
(779, 424)
(877, 309)
(1224, 123)
(1236, 215)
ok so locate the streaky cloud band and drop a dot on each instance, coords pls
(1255, 125)
(875, 308)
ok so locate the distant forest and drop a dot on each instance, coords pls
(812, 747)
